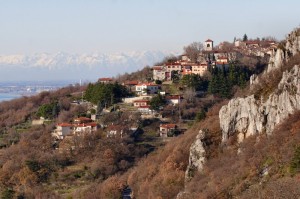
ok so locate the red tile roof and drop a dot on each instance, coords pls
(168, 126)
(92, 124)
(105, 79)
(173, 64)
(209, 40)
(131, 83)
(65, 125)
(147, 84)
(157, 68)
(252, 42)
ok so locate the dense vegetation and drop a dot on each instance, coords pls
(105, 94)
(35, 165)
(224, 79)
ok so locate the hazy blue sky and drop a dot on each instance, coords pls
(77, 26)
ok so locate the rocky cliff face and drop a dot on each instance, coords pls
(284, 51)
(249, 116)
(197, 155)
(196, 161)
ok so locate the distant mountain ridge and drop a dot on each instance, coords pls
(74, 66)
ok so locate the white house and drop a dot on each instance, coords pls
(164, 129)
(159, 73)
(105, 80)
(62, 130)
(199, 69)
(85, 128)
(174, 66)
(82, 120)
(138, 103)
(145, 110)
(146, 88)
(173, 99)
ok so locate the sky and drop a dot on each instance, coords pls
(110, 26)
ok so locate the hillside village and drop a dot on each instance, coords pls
(198, 125)
(161, 97)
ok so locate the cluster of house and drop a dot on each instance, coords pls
(213, 57)
(259, 48)
(84, 125)
(209, 57)
(80, 126)
(143, 105)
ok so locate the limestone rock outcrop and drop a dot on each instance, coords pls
(284, 51)
(197, 155)
(196, 161)
(248, 116)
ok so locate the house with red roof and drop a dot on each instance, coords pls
(130, 85)
(105, 80)
(159, 73)
(173, 66)
(222, 59)
(199, 69)
(139, 103)
(81, 120)
(146, 88)
(83, 128)
(62, 130)
(166, 129)
(173, 99)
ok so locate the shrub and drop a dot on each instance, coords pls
(295, 162)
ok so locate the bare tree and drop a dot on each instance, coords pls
(189, 94)
(227, 47)
(193, 50)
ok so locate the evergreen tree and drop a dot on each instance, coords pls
(105, 93)
(242, 80)
(156, 102)
(245, 37)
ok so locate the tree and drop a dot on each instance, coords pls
(193, 50)
(175, 76)
(200, 115)
(245, 37)
(194, 81)
(189, 94)
(106, 94)
(49, 111)
(157, 101)
(168, 59)
(295, 162)
(227, 47)
(7, 194)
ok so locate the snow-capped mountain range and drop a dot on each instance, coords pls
(74, 66)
